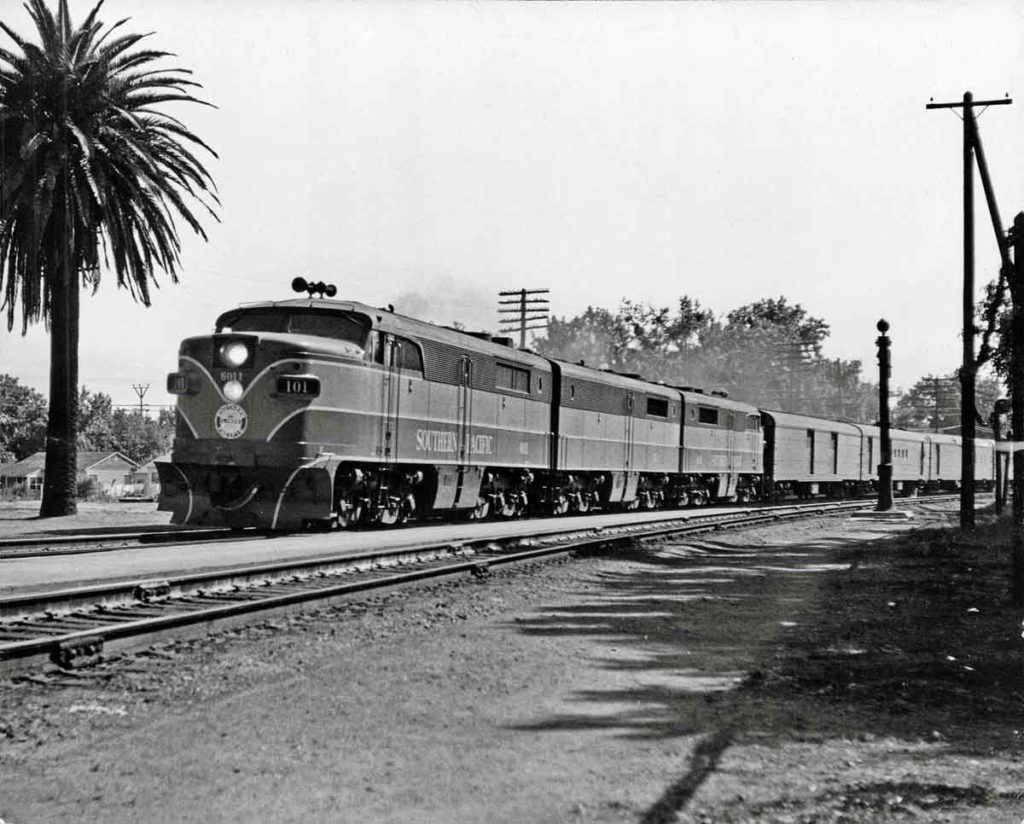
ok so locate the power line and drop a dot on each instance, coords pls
(523, 311)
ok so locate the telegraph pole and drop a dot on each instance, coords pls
(523, 309)
(968, 368)
(141, 391)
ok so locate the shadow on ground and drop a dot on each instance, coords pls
(909, 636)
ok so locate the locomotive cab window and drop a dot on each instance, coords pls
(511, 377)
(345, 326)
(657, 407)
(404, 356)
(708, 415)
(375, 352)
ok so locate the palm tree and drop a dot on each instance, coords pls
(91, 172)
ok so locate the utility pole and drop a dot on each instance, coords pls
(141, 391)
(1002, 406)
(1016, 283)
(522, 309)
(885, 465)
(968, 368)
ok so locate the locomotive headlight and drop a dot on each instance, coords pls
(234, 354)
(233, 390)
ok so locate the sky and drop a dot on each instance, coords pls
(430, 154)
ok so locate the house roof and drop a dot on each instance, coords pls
(35, 463)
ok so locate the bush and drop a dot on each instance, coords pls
(85, 489)
(15, 492)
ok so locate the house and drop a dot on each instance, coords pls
(144, 481)
(109, 472)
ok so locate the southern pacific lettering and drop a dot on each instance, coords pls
(443, 440)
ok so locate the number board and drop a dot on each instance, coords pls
(304, 385)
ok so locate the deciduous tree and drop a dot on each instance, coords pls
(22, 420)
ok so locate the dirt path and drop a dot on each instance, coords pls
(756, 677)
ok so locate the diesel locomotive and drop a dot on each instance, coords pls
(316, 412)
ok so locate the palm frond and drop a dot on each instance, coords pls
(96, 174)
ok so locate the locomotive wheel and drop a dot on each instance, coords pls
(560, 505)
(348, 514)
(683, 499)
(395, 513)
(583, 504)
(507, 506)
(481, 510)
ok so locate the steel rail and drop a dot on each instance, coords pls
(85, 543)
(32, 546)
(72, 627)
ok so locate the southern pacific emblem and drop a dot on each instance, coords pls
(230, 421)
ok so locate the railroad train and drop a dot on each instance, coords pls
(319, 412)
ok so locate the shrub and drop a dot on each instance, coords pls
(86, 489)
(15, 492)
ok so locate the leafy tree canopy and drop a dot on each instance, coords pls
(934, 402)
(101, 426)
(767, 352)
(22, 420)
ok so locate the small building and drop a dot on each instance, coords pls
(145, 481)
(109, 472)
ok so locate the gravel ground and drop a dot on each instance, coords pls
(21, 519)
(759, 676)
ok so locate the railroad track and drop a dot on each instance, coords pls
(77, 627)
(31, 546)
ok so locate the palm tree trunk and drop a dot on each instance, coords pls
(60, 481)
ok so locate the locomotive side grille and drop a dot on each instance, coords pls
(441, 363)
(591, 396)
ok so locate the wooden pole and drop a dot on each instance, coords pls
(968, 370)
(1016, 283)
(967, 378)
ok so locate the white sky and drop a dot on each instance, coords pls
(430, 154)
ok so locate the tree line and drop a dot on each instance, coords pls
(101, 427)
(768, 353)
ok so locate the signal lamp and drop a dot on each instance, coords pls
(234, 354)
(233, 390)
